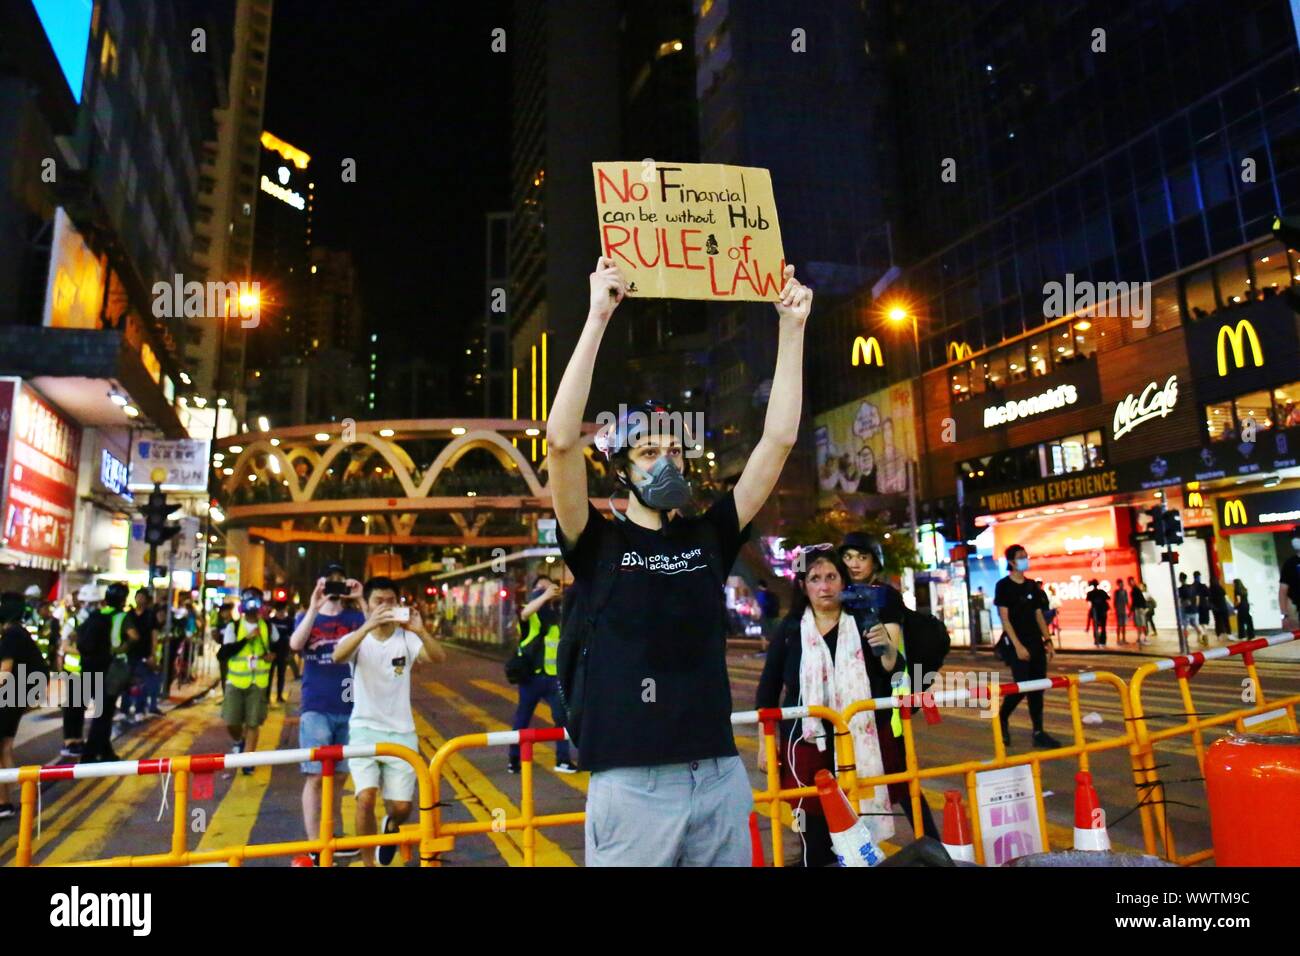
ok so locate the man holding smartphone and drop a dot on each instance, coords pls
(381, 653)
(326, 703)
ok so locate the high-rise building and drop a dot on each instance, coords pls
(494, 368)
(565, 114)
(228, 200)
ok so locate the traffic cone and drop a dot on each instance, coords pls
(756, 841)
(957, 838)
(850, 837)
(1089, 818)
(303, 859)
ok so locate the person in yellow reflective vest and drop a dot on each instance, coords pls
(246, 649)
(539, 641)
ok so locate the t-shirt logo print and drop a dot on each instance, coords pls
(399, 665)
(664, 563)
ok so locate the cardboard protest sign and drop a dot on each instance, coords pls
(691, 230)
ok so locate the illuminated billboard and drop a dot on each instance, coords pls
(39, 454)
(67, 25)
(74, 290)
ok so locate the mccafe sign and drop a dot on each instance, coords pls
(1154, 401)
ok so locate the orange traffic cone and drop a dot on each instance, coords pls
(303, 859)
(756, 841)
(957, 838)
(850, 837)
(1089, 818)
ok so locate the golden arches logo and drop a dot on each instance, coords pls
(1234, 512)
(1238, 335)
(864, 349)
(958, 351)
(1194, 500)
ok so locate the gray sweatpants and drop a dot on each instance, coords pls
(681, 814)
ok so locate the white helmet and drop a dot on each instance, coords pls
(90, 593)
(33, 591)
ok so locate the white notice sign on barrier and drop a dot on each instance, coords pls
(1009, 824)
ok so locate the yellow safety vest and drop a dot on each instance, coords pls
(115, 639)
(253, 665)
(552, 643)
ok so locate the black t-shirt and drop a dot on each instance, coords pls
(144, 626)
(16, 644)
(1291, 577)
(1022, 601)
(656, 689)
(1187, 595)
(1099, 600)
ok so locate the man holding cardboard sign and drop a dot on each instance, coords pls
(691, 230)
(642, 656)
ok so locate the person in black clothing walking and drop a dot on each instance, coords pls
(1219, 608)
(1099, 605)
(1241, 600)
(20, 658)
(102, 640)
(1202, 605)
(1025, 645)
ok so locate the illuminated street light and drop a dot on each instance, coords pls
(458, 430)
(321, 436)
(532, 432)
(897, 314)
(385, 433)
(249, 300)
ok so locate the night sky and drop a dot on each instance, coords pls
(412, 91)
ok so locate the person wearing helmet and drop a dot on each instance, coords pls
(653, 719)
(102, 641)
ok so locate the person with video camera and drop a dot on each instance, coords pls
(535, 668)
(381, 654)
(326, 703)
(1026, 644)
(832, 650)
(102, 642)
(246, 649)
(643, 666)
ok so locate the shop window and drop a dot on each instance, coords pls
(1256, 407)
(959, 382)
(1063, 344)
(1085, 338)
(1218, 422)
(1040, 355)
(1096, 453)
(975, 373)
(1066, 455)
(995, 370)
(1198, 293)
(1017, 368)
(1272, 270)
(1166, 312)
(1234, 281)
(1287, 402)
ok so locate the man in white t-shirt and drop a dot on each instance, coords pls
(381, 653)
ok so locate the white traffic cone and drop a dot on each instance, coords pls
(850, 837)
(1089, 818)
(957, 839)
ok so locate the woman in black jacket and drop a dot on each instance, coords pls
(817, 599)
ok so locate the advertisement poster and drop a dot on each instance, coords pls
(39, 449)
(1009, 822)
(864, 447)
(691, 230)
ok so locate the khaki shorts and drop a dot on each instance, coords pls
(244, 707)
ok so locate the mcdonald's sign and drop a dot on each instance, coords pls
(1234, 512)
(864, 349)
(958, 351)
(1194, 500)
(1238, 336)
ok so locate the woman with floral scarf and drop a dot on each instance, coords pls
(820, 658)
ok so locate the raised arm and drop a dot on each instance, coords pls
(564, 461)
(298, 639)
(781, 427)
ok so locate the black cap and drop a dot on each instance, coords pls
(332, 568)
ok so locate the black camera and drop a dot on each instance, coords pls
(336, 588)
(864, 602)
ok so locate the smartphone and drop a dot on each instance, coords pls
(336, 588)
(402, 614)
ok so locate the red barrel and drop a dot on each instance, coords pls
(1253, 782)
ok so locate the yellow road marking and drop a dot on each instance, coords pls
(74, 799)
(94, 831)
(231, 823)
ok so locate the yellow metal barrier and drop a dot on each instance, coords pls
(183, 768)
(1155, 821)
